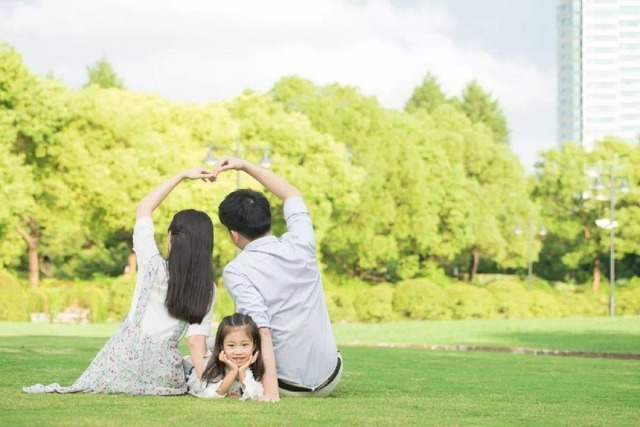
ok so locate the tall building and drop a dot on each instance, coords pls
(598, 70)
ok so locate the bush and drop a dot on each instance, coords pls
(341, 303)
(628, 301)
(471, 302)
(224, 305)
(574, 304)
(374, 304)
(543, 304)
(119, 293)
(13, 304)
(420, 299)
(512, 300)
(634, 282)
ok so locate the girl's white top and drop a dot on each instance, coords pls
(156, 320)
(251, 389)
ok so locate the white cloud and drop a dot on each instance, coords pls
(203, 50)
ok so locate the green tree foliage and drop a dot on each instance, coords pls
(315, 162)
(34, 110)
(427, 96)
(570, 206)
(492, 193)
(393, 194)
(102, 74)
(481, 107)
(396, 217)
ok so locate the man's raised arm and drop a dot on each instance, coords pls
(272, 182)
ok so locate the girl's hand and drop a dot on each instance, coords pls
(229, 364)
(249, 362)
(199, 173)
(242, 369)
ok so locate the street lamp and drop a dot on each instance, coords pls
(616, 185)
(542, 231)
(239, 151)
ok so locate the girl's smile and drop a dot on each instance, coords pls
(238, 346)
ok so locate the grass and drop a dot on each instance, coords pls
(381, 386)
(601, 334)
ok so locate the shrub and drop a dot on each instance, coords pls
(13, 304)
(341, 303)
(628, 301)
(574, 304)
(471, 302)
(224, 305)
(374, 304)
(512, 300)
(420, 299)
(120, 294)
(543, 304)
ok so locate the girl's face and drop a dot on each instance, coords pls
(238, 346)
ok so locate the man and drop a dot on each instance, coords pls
(277, 282)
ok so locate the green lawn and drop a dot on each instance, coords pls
(600, 334)
(381, 386)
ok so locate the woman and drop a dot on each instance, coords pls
(143, 356)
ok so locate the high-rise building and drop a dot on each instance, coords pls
(598, 70)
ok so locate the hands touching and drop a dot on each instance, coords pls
(226, 163)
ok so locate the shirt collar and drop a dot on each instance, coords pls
(254, 244)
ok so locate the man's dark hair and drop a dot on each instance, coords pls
(247, 212)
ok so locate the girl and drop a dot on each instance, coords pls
(235, 367)
(143, 356)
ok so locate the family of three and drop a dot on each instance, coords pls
(278, 343)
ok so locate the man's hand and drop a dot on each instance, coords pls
(226, 163)
(269, 398)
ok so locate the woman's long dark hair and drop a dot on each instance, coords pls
(190, 266)
(215, 368)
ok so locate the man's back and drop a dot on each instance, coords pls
(277, 282)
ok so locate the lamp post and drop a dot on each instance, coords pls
(542, 231)
(239, 151)
(609, 223)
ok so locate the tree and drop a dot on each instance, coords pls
(481, 107)
(494, 193)
(316, 163)
(428, 96)
(102, 74)
(395, 225)
(560, 191)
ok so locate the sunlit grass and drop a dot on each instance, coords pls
(381, 386)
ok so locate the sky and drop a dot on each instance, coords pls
(211, 50)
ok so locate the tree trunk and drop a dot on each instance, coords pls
(131, 264)
(473, 265)
(33, 239)
(595, 285)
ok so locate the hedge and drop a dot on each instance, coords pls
(108, 299)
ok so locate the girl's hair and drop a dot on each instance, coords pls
(190, 266)
(215, 368)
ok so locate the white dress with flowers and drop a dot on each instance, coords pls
(143, 356)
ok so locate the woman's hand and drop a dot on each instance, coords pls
(152, 200)
(199, 173)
